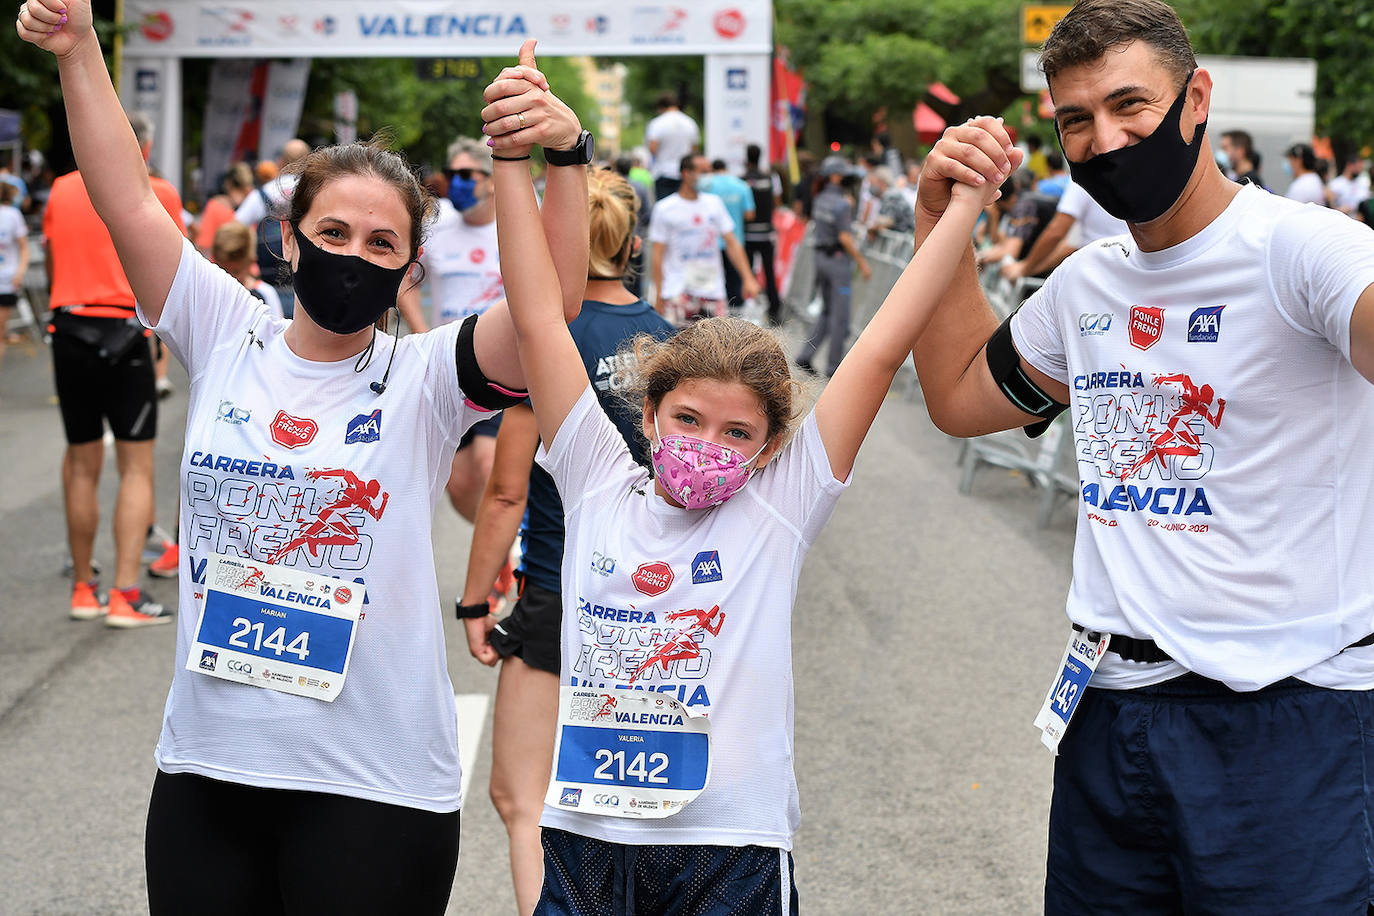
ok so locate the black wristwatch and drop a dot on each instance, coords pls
(471, 611)
(580, 154)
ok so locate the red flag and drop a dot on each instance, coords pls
(787, 100)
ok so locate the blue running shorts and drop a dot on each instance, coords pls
(1190, 798)
(587, 877)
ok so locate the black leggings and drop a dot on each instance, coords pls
(220, 847)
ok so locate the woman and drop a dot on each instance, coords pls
(308, 757)
(219, 210)
(526, 642)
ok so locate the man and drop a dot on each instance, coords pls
(1058, 179)
(671, 135)
(1350, 188)
(890, 211)
(1025, 215)
(269, 199)
(462, 265)
(759, 235)
(103, 371)
(738, 198)
(1078, 222)
(1238, 152)
(832, 215)
(1301, 162)
(1216, 361)
(685, 230)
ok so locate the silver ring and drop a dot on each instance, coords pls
(521, 116)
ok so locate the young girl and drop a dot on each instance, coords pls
(233, 249)
(672, 786)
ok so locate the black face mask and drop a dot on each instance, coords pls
(1140, 183)
(342, 293)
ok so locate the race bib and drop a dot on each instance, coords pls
(271, 626)
(700, 275)
(627, 753)
(1076, 668)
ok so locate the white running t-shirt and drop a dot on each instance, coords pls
(1223, 442)
(12, 229)
(462, 265)
(1091, 221)
(677, 135)
(690, 231)
(731, 585)
(269, 452)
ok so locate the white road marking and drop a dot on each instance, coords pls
(472, 712)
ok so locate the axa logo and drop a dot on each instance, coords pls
(1092, 324)
(570, 798)
(208, 659)
(706, 567)
(1205, 324)
(365, 427)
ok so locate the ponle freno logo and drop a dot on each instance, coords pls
(1147, 325)
(293, 432)
(729, 23)
(654, 578)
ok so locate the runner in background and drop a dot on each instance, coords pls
(14, 256)
(220, 209)
(681, 582)
(738, 198)
(462, 266)
(270, 198)
(670, 135)
(521, 495)
(760, 236)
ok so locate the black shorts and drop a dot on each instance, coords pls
(8, 300)
(488, 426)
(103, 370)
(533, 630)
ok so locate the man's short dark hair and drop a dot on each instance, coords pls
(752, 154)
(1242, 141)
(688, 163)
(1304, 154)
(666, 100)
(623, 164)
(717, 165)
(1094, 27)
(1054, 160)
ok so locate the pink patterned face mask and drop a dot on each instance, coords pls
(697, 473)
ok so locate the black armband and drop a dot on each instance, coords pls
(1018, 387)
(480, 391)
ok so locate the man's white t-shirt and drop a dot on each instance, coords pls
(1307, 188)
(691, 232)
(1348, 193)
(732, 585)
(12, 229)
(253, 210)
(1223, 442)
(677, 135)
(390, 736)
(1092, 222)
(462, 265)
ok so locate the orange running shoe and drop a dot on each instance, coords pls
(166, 566)
(500, 589)
(141, 611)
(85, 602)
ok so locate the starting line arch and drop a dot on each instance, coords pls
(734, 36)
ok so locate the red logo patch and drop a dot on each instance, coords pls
(729, 23)
(653, 579)
(293, 432)
(343, 595)
(156, 26)
(477, 256)
(1147, 324)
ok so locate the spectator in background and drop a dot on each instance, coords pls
(837, 253)
(804, 192)
(739, 203)
(270, 199)
(237, 185)
(890, 211)
(103, 371)
(1078, 214)
(886, 153)
(913, 179)
(634, 270)
(1037, 161)
(235, 251)
(1058, 179)
(21, 199)
(671, 135)
(1016, 220)
(14, 256)
(1350, 188)
(1240, 160)
(1307, 186)
(760, 237)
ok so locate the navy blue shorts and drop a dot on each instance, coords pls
(587, 877)
(1189, 798)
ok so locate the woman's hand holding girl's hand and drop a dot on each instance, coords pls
(58, 26)
(521, 112)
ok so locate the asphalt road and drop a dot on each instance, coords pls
(926, 629)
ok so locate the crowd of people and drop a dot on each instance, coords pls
(667, 474)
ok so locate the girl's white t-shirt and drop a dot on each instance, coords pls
(639, 573)
(280, 451)
(12, 229)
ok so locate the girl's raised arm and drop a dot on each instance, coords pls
(846, 408)
(111, 164)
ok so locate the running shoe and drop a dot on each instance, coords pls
(141, 611)
(69, 568)
(85, 602)
(156, 544)
(500, 589)
(165, 566)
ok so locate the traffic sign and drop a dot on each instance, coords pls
(1038, 21)
(1032, 77)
